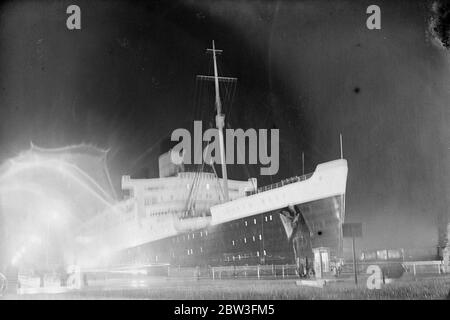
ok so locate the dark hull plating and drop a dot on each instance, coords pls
(268, 238)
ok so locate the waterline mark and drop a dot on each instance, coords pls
(235, 147)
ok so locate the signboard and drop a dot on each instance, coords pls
(351, 230)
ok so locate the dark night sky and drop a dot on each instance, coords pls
(310, 68)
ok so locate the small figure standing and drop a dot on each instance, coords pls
(197, 272)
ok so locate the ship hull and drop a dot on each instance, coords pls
(265, 238)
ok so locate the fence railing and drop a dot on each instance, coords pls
(412, 267)
(258, 271)
(286, 271)
(420, 267)
(230, 272)
(290, 270)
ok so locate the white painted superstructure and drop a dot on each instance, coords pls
(328, 180)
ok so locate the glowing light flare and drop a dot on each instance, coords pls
(56, 165)
(14, 260)
(49, 191)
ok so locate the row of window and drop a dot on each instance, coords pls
(234, 242)
(200, 196)
(190, 236)
(228, 258)
(154, 214)
(266, 219)
(190, 175)
(191, 251)
(239, 257)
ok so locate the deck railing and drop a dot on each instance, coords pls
(281, 183)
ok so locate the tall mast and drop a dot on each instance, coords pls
(303, 163)
(220, 121)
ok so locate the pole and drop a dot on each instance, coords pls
(47, 245)
(354, 260)
(216, 80)
(303, 163)
(342, 152)
(220, 122)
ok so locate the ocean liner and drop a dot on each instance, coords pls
(196, 218)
